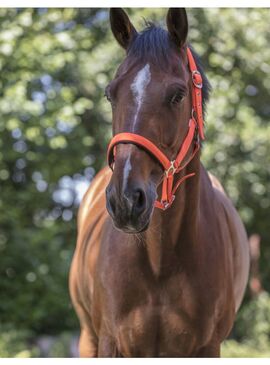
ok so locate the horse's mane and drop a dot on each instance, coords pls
(154, 44)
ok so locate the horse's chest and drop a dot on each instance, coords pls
(149, 332)
(166, 325)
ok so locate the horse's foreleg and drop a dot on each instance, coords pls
(87, 346)
(107, 347)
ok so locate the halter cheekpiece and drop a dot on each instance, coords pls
(194, 135)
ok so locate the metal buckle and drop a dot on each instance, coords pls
(171, 170)
(167, 204)
(197, 84)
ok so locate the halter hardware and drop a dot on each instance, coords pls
(171, 170)
(171, 167)
(197, 79)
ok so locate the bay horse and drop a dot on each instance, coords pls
(151, 277)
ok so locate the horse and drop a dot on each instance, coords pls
(151, 276)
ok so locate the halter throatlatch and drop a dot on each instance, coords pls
(194, 134)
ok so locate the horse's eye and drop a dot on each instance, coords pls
(177, 98)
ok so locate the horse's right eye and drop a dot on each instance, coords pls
(177, 98)
(175, 94)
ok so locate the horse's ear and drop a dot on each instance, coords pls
(121, 26)
(177, 25)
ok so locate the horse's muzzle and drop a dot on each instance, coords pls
(131, 209)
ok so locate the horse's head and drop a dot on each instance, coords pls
(150, 96)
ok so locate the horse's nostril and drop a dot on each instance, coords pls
(126, 209)
(139, 200)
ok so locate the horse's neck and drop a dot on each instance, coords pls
(173, 232)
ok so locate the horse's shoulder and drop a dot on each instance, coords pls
(91, 216)
(237, 237)
(223, 204)
(221, 198)
(94, 198)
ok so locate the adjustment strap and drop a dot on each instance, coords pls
(165, 204)
(195, 150)
(186, 144)
(196, 91)
(179, 182)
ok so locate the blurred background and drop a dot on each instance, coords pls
(54, 128)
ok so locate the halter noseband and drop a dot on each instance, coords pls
(195, 133)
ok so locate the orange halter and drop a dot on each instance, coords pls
(192, 137)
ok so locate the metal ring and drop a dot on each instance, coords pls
(198, 85)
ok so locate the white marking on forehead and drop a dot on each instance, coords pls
(127, 170)
(138, 87)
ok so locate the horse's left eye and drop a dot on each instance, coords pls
(176, 99)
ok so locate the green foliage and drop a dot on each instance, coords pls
(15, 343)
(51, 135)
(55, 124)
(253, 322)
(232, 348)
(252, 330)
(238, 130)
(24, 344)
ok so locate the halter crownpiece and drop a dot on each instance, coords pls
(195, 133)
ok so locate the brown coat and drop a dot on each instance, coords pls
(167, 292)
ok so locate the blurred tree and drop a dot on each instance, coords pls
(52, 132)
(55, 124)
